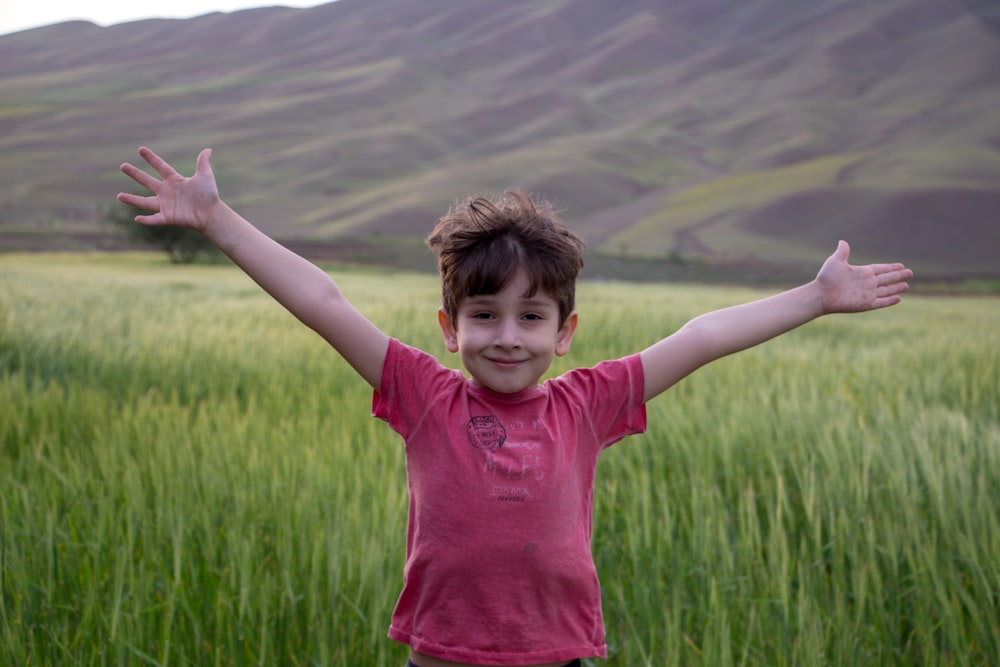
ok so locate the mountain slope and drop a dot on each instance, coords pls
(762, 129)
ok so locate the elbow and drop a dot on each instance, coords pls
(320, 303)
(704, 342)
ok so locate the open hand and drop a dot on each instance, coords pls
(176, 200)
(850, 289)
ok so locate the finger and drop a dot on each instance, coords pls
(893, 276)
(139, 176)
(145, 203)
(886, 268)
(151, 220)
(883, 302)
(157, 163)
(889, 290)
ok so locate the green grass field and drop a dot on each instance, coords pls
(190, 477)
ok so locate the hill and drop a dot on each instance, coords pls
(722, 131)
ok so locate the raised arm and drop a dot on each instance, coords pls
(839, 287)
(297, 284)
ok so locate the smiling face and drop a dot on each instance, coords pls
(507, 340)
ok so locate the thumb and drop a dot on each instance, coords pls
(843, 251)
(204, 164)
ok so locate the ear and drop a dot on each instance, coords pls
(565, 335)
(448, 330)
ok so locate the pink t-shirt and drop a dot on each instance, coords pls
(498, 562)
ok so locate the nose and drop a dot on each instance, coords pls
(507, 334)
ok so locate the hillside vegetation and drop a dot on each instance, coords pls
(755, 131)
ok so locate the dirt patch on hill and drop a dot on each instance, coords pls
(959, 226)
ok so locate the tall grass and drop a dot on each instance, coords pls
(190, 477)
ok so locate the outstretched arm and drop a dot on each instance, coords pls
(298, 285)
(839, 287)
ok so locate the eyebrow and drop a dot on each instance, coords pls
(532, 302)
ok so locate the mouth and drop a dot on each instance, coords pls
(505, 363)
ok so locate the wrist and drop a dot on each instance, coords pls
(222, 224)
(815, 298)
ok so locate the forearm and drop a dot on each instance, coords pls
(730, 330)
(838, 288)
(297, 284)
(722, 332)
(301, 287)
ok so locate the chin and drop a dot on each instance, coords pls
(504, 385)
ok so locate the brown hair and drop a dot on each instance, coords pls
(481, 244)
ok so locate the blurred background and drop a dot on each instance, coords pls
(711, 139)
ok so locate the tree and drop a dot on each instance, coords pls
(181, 244)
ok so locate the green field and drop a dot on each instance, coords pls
(190, 477)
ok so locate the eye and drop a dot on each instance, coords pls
(533, 316)
(482, 315)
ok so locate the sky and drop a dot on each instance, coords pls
(18, 15)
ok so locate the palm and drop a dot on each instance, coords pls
(850, 289)
(185, 200)
(176, 199)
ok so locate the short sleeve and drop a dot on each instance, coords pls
(609, 397)
(411, 381)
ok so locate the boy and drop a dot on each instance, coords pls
(500, 469)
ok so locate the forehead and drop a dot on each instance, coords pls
(518, 291)
(537, 301)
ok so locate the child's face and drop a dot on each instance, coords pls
(507, 340)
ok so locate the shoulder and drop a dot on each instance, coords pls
(613, 374)
(607, 397)
(399, 352)
(413, 382)
(411, 371)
